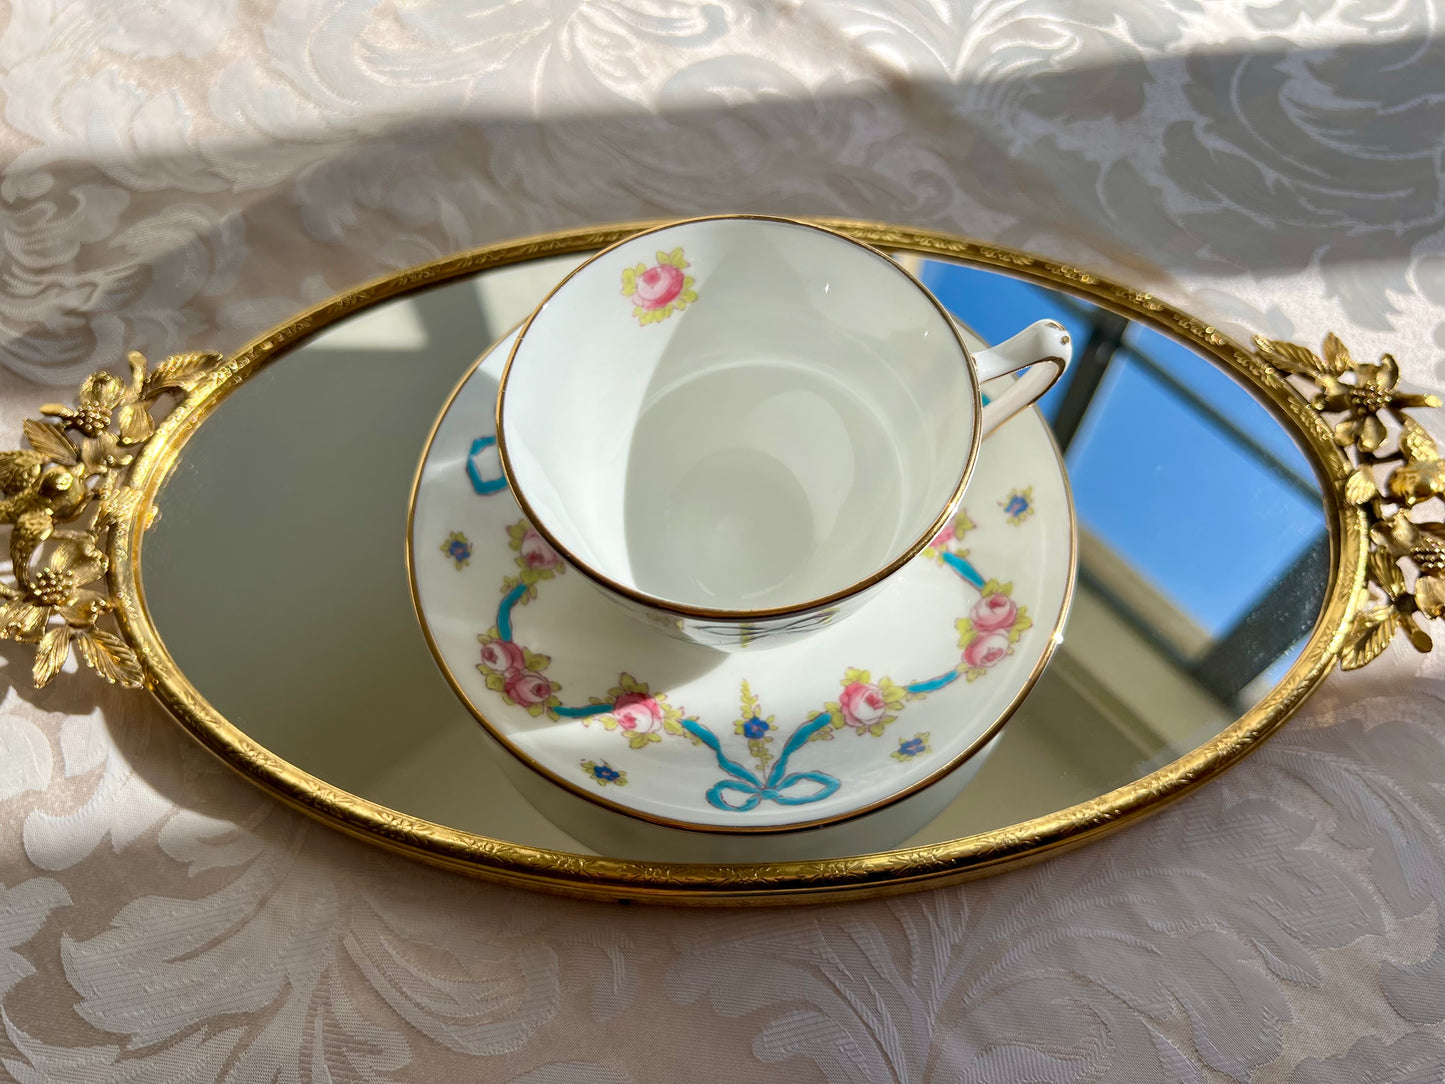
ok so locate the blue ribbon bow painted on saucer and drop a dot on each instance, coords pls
(778, 784)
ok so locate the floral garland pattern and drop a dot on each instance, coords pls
(865, 706)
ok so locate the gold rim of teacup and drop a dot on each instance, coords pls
(728, 615)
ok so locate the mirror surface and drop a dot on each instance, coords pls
(275, 572)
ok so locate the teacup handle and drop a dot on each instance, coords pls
(1044, 348)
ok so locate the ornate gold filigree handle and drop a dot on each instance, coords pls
(1409, 463)
(75, 466)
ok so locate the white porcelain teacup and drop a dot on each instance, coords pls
(738, 427)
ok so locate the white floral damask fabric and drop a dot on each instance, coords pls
(182, 174)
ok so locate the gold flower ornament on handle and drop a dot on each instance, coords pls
(1390, 479)
(46, 489)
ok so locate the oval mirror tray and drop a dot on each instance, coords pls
(1247, 518)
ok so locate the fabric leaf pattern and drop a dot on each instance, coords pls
(182, 174)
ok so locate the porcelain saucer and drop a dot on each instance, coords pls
(807, 733)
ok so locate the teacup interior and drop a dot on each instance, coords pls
(738, 414)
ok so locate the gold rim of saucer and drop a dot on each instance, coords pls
(855, 877)
(1046, 654)
(744, 616)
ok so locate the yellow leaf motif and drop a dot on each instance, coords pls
(966, 633)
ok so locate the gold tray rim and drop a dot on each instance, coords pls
(853, 877)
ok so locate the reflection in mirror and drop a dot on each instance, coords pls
(275, 573)
(1203, 547)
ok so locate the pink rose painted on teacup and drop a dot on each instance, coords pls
(536, 552)
(657, 290)
(503, 656)
(657, 286)
(944, 538)
(637, 712)
(862, 705)
(985, 651)
(527, 688)
(994, 613)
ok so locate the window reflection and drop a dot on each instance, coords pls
(1203, 552)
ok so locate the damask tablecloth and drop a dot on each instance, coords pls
(184, 173)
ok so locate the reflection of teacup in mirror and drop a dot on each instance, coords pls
(748, 441)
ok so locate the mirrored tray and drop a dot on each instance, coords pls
(247, 566)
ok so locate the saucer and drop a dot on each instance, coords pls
(806, 733)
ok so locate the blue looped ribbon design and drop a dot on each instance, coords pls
(778, 783)
(484, 486)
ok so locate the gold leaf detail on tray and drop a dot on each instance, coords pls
(76, 465)
(50, 655)
(1369, 635)
(1357, 398)
(50, 441)
(179, 371)
(1386, 573)
(110, 657)
(1289, 357)
(1360, 486)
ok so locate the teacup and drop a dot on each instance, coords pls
(739, 427)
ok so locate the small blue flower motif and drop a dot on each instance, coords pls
(604, 773)
(755, 728)
(1019, 506)
(908, 748)
(459, 548)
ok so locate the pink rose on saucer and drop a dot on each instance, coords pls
(657, 286)
(503, 656)
(536, 552)
(985, 651)
(637, 712)
(944, 538)
(994, 613)
(863, 705)
(527, 688)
